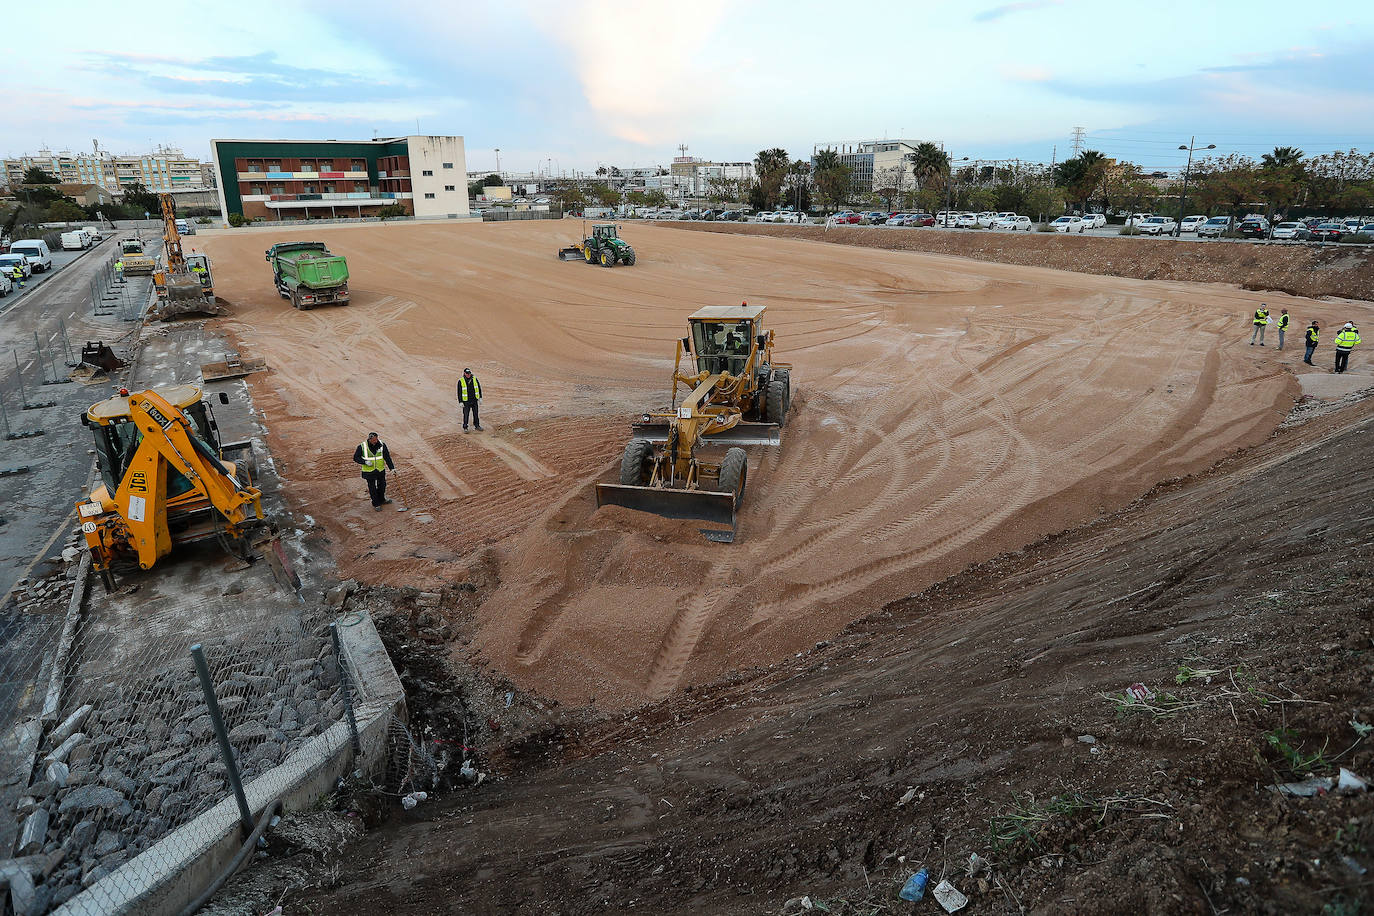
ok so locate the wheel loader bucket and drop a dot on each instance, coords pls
(570, 254)
(702, 505)
(741, 434)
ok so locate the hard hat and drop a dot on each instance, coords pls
(1348, 325)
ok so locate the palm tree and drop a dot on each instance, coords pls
(1283, 157)
(827, 159)
(929, 162)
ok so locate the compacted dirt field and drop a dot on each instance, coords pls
(944, 411)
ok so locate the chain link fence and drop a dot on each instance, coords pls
(150, 734)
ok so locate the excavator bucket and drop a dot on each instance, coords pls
(701, 505)
(741, 434)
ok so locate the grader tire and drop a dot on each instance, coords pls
(634, 464)
(734, 473)
(786, 377)
(777, 401)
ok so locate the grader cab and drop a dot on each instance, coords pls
(737, 395)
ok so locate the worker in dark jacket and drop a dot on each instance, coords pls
(1313, 338)
(375, 458)
(469, 393)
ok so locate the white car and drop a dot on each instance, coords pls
(1094, 220)
(1013, 222)
(986, 219)
(764, 216)
(1068, 224)
(1214, 227)
(1191, 223)
(1159, 225)
(6, 285)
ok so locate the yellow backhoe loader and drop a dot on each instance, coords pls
(737, 396)
(185, 285)
(165, 479)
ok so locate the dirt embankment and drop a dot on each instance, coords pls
(1297, 270)
(987, 716)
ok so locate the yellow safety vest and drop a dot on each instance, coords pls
(463, 388)
(1346, 340)
(1283, 322)
(119, 265)
(373, 461)
(1261, 316)
(17, 273)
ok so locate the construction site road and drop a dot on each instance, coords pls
(944, 411)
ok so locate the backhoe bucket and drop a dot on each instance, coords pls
(702, 505)
(570, 254)
(741, 434)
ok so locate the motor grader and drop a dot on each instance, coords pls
(165, 479)
(604, 246)
(737, 396)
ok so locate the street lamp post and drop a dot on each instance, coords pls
(1192, 147)
(498, 162)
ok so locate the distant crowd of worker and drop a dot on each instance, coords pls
(375, 457)
(1346, 339)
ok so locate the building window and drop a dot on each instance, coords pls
(359, 187)
(428, 173)
(429, 196)
(449, 187)
(278, 189)
(448, 165)
(274, 165)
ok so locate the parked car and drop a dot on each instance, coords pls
(7, 262)
(875, 217)
(1329, 232)
(920, 219)
(790, 216)
(1214, 227)
(1068, 224)
(1159, 225)
(1094, 220)
(1013, 222)
(966, 221)
(76, 240)
(1352, 225)
(1367, 229)
(1253, 228)
(36, 250)
(6, 285)
(1298, 232)
(1191, 223)
(732, 215)
(846, 217)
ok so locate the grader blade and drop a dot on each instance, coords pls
(701, 505)
(741, 434)
(570, 254)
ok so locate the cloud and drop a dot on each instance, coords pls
(1006, 9)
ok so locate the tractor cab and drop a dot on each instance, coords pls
(722, 336)
(604, 233)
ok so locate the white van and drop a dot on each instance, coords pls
(76, 240)
(36, 250)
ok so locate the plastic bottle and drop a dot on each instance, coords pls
(915, 887)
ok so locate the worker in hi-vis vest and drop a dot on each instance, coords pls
(1261, 320)
(375, 458)
(1346, 340)
(469, 393)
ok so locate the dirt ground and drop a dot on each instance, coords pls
(988, 715)
(945, 411)
(1302, 270)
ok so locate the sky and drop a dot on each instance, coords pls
(573, 85)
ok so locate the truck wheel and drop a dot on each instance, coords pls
(635, 467)
(296, 300)
(607, 257)
(734, 473)
(777, 401)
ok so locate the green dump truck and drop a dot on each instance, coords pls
(307, 274)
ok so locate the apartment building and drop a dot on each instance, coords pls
(165, 169)
(324, 179)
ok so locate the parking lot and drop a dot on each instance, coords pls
(60, 259)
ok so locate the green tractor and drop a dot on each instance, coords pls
(602, 247)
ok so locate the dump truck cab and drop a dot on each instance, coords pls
(166, 478)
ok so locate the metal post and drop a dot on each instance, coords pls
(347, 691)
(230, 765)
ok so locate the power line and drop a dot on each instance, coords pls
(1078, 135)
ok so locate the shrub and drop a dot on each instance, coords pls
(1129, 230)
(203, 220)
(1044, 227)
(391, 211)
(1358, 238)
(236, 219)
